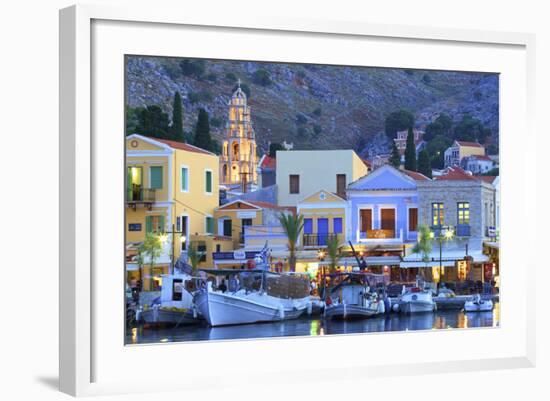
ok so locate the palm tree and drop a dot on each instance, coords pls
(424, 244)
(194, 258)
(152, 247)
(293, 226)
(333, 250)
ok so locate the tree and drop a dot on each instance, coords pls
(151, 247)
(202, 131)
(177, 119)
(274, 147)
(194, 257)
(398, 121)
(410, 152)
(262, 77)
(152, 121)
(471, 129)
(395, 158)
(440, 126)
(292, 226)
(424, 244)
(424, 165)
(192, 67)
(436, 149)
(333, 250)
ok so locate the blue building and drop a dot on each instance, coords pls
(383, 208)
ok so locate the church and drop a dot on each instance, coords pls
(239, 159)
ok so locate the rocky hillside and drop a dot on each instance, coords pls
(312, 105)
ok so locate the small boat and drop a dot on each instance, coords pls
(175, 306)
(446, 299)
(352, 299)
(416, 300)
(476, 304)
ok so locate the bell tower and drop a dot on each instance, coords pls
(238, 161)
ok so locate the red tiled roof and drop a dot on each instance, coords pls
(455, 174)
(182, 146)
(268, 162)
(471, 144)
(481, 157)
(416, 175)
(367, 163)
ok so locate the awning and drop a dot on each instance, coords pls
(382, 260)
(447, 260)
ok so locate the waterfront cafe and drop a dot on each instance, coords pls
(449, 267)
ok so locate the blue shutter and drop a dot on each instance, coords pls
(149, 224)
(337, 222)
(308, 226)
(209, 181)
(156, 177)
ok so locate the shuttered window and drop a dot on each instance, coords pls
(341, 185)
(184, 179)
(388, 219)
(294, 183)
(208, 181)
(413, 219)
(154, 224)
(366, 220)
(156, 177)
(209, 223)
(337, 223)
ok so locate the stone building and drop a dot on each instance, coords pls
(465, 205)
(239, 160)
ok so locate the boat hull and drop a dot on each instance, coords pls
(156, 316)
(416, 306)
(348, 311)
(225, 309)
(482, 306)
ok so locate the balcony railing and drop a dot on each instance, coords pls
(137, 195)
(318, 239)
(380, 236)
(460, 230)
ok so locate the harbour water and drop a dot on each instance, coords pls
(317, 326)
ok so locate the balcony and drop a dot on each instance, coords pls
(138, 195)
(315, 240)
(380, 236)
(462, 230)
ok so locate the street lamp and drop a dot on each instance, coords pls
(445, 234)
(164, 237)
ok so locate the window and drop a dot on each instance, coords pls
(463, 213)
(294, 183)
(154, 224)
(337, 223)
(308, 226)
(341, 185)
(413, 219)
(209, 223)
(201, 248)
(208, 181)
(366, 220)
(155, 175)
(438, 217)
(184, 179)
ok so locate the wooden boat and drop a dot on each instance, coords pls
(352, 298)
(446, 299)
(264, 297)
(175, 306)
(416, 300)
(476, 304)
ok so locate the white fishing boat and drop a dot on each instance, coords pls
(446, 299)
(243, 307)
(416, 300)
(352, 299)
(175, 306)
(476, 304)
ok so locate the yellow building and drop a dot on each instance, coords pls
(301, 173)
(324, 218)
(239, 159)
(172, 189)
(461, 149)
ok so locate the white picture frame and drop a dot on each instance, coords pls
(83, 350)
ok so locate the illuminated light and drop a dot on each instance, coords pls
(448, 234)
(183, 238)
(386, 269)
(164, 340)
(321, 254)
(432, 234)
(163, 238)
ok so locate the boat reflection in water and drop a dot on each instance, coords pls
(308, 326)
